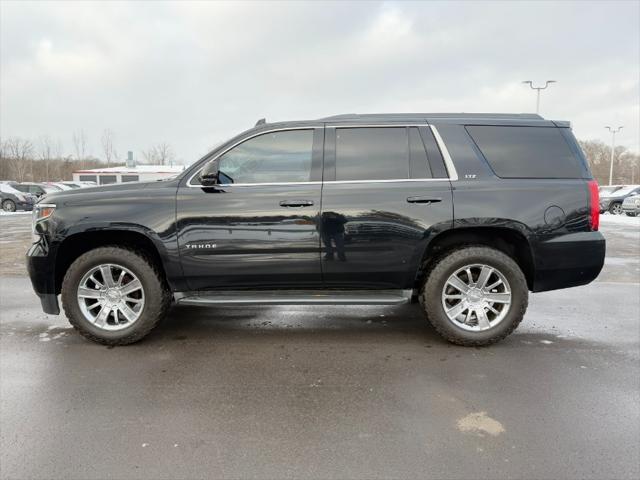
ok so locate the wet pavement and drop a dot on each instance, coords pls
(330, 392)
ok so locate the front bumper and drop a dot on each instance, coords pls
(568, 260)
(41, 267)
(26, 206)
(604, 205)
(631, 208)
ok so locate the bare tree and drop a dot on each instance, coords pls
(46, 154)
(160, 154)
(20, 155)
(625, 163)
(80, 145)
(107, 146)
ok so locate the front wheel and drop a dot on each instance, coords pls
(114, 296)
(615, 209)
(9, 206)
(475, 296)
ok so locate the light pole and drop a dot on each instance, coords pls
(613, 149)
(546, 84)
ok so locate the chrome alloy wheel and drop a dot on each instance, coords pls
(111, 297)
(476, 297)
(616, 209)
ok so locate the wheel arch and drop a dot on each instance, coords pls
(510, 241)
(81, 242)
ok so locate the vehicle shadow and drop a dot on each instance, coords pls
(328, 323)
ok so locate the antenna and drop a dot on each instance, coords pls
(262, 121)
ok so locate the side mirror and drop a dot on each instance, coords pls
(209, 175)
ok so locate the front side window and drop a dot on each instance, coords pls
(274, 157)
(130, 178)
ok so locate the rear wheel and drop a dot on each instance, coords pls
(9, 206)
(114, 296)
(475, 296)
(615, 209)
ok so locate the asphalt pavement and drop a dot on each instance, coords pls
(328, 392)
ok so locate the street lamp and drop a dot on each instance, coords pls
(613, 147)
(546, 84)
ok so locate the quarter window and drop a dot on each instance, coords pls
(526, 152)
(283, 156)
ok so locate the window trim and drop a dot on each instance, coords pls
(448, 162)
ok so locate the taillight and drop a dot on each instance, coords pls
(594, 204)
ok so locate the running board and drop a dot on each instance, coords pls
(296, 297)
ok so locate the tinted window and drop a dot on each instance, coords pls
(526, 152)
(372, 153)
(130, 178)
(106, 179)
(270, 158)
(88, 178)
(418, 163)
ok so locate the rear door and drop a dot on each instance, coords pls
(386, 193)
(258, 228)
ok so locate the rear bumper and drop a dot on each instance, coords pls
(568, 260)
(41, 268)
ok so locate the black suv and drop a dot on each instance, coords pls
(464, 214)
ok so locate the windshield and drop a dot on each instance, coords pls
(624, 190)
(8, 189)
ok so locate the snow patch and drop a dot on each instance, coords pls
(480, 423)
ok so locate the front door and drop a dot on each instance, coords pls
(258, 228)
(386, 194)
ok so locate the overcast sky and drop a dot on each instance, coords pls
(193, 74)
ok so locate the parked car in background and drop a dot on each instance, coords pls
(612, 202)
(60, 185)
(607, 190)
(37, 189)
(12, 199)
(79, 184)
(631, 205)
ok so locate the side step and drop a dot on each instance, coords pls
(296, 297)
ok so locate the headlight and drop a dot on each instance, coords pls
(41, 212)
(637, 200)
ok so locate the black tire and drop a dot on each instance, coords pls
(157, 295)
(431, 295)
(615, 208)
(9, 206)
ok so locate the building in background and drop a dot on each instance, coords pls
(138, 173)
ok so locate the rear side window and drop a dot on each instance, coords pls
(526, 152)
(376, 153)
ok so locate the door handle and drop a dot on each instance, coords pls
(423, 200)
(296, 203)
